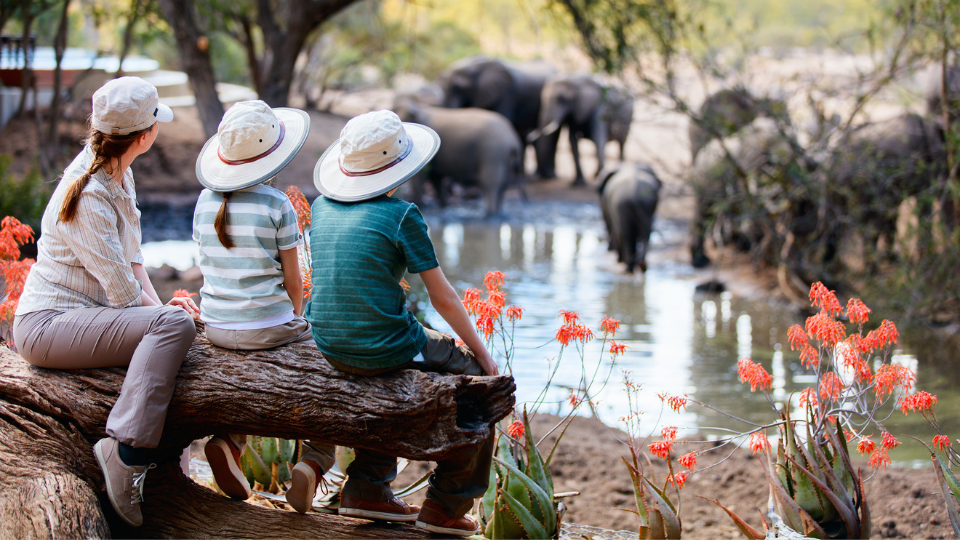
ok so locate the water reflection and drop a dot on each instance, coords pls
(679, 341)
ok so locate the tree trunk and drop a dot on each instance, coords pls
(27, 15)
(136, 7)
(49, 420)
(284, 43)
(194, 50)
(50, 145)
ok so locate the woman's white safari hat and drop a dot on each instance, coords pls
(252, 144)
(375, 153)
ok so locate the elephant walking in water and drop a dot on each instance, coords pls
(513, 90)
(629, 194)
(478, 148)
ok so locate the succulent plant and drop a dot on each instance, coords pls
(520, 502)
(950, 488)
(267, 461)
(657, 516)
(814, 488)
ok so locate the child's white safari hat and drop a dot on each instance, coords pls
(252, 144)
(375, 153)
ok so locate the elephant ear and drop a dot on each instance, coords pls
(589, 100)
(494, 86)
(605, 174)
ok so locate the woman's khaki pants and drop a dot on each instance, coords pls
(151, 341)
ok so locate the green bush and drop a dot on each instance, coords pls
(23, 198)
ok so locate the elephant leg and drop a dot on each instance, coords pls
(698, 230)
(574, 148)
(611, 245)
(494, 177)
(628, 235)
(598, 134)
(644, 228)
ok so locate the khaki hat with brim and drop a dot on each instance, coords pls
(253, 143)
(375, 153)
(127, 104)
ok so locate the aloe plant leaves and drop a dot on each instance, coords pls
(745, 528)
(531, 525)
(950, 489)
(539, 496)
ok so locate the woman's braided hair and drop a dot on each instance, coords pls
(105, 148)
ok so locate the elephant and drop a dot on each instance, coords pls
(629, 194)
(728, 111)
(933, 94)
(478, 148)
(619, 115)
(736, 180)
(876, 167)
(513, 90)
(579, 103)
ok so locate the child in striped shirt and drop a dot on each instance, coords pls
(252, 294)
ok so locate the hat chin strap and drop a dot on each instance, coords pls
(255, 158)
(402, 155)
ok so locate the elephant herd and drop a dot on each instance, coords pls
(750, 175)
(753, 181)
(487, 112)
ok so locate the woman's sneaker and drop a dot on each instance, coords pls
(304, 479)
(124, 482)
(391, 510)
(224, 459)
(434, 519)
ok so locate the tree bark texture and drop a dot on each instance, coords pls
(194, 50)
(50, 419)
(285, 26)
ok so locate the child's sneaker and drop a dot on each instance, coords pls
(391, 510)
(435, 520)
(304, 480)
(224, 458)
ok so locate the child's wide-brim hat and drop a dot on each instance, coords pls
(375, 153)
(253, 143)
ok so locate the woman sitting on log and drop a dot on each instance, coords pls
(88, 302)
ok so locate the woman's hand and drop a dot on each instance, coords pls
(188, 305)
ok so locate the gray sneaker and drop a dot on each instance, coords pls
(124, 482)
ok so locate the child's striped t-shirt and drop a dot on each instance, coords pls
(244, 284)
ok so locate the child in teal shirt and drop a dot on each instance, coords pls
(362, 243)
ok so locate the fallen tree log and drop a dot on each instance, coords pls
(51, 486)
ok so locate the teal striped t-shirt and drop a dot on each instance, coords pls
(245, 283)
(360, 252)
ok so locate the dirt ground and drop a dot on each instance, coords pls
(904, 503)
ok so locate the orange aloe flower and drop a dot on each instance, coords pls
(669, 433)
(661, 449)
(919, 402)
(608, 325)
(516, 429)
(676, 402)
(753, 373)
(689, 460)
(866, 446)
(679, 478)
(941, 442)
(857, 312)
(494, 280)
(758, 442)
(514, 313)
(824, 299)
